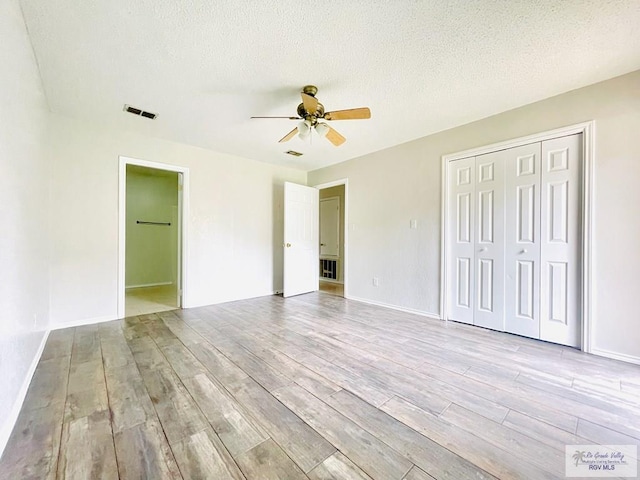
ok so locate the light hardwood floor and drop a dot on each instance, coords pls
(316, 387)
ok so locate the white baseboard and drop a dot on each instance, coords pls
(623, 357)
(396, 307)
(86, 321)
(12, 418)
(144, 285)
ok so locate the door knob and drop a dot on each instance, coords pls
(524, 250)
(483, 249)
(288, 245)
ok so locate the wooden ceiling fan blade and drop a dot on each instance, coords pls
(334, 137)
(288, 118)
(289, 135)
(351, 114)
(310, 103)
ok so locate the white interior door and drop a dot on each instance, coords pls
(489, 244)
(461, 234)
(561, 243)
(330, 227)
(301, 239)
(522, 245)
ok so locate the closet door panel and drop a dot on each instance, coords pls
(522, 240)
(489, 245)
(560, 315)
(460, 270)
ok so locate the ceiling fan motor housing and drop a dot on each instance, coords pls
(311, 116)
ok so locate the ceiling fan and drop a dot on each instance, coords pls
(310, 111)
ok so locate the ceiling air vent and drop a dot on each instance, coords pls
(140, 112)
(293, 152)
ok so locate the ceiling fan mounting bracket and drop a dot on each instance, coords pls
(310, 90)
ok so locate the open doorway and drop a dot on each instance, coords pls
(151, 238)
(332, 239)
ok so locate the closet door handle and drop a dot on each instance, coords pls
(524, 250)
(483, 249)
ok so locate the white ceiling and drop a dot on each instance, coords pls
(421, 66)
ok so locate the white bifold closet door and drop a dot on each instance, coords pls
(490, 236)
(514, 240)
(522, 245)
(561, 242)
(461, 239)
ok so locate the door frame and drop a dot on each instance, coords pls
(183, 210)
(345, 240)
(587, 129)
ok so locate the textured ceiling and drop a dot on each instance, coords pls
(421, 66)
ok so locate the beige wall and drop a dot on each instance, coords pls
(24, 200)
(337, 191)
(389, 188)
(234, 226)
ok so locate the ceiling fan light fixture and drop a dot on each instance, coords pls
(304, 130)
(322, 129)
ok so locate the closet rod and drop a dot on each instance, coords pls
(167, 224)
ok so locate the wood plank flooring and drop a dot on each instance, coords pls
(314, 387)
